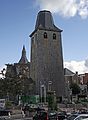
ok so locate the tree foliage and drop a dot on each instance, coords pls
(11, 87)
(75, 88)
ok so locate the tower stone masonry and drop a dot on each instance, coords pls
(46, 55)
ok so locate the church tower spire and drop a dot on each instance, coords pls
(23, 59)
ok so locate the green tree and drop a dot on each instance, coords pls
(75, 88)
(51, 99)
(11, 87)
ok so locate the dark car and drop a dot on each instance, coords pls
(2, 119)
(4, 112)
(62, 116)
(5, 118)
(40, 115)
(53, 116)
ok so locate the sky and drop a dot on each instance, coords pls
(17, 22)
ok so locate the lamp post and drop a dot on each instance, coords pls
(43, 93)
(49, 85)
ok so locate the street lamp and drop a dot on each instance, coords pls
(49, 85)
(43, 93)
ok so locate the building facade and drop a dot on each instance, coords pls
(19, 74)
(46, 55)
(22, 68)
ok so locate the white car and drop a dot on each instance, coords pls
(78, 117)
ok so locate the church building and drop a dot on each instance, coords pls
(46, 64)
(19, 69)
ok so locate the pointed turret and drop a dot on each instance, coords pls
(23, 59)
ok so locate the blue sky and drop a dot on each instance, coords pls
(17, 21)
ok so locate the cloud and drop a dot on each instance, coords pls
(83, 8)
(79, 66)
(66, 8)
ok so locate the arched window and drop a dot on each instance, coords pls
(54, 36)
(45, 35)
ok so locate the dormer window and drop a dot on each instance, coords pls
(54, 36)
(45, 35)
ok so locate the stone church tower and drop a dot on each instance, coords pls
(46, 55)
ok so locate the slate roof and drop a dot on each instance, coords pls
(68, 72)
(45, 21)
(23, 59)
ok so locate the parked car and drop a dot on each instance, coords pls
(2, 119)
(62, 116)
(78, 117)
(5, 118)
(4, 112)
(57, 116)
(52, 116)
(41, 115)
